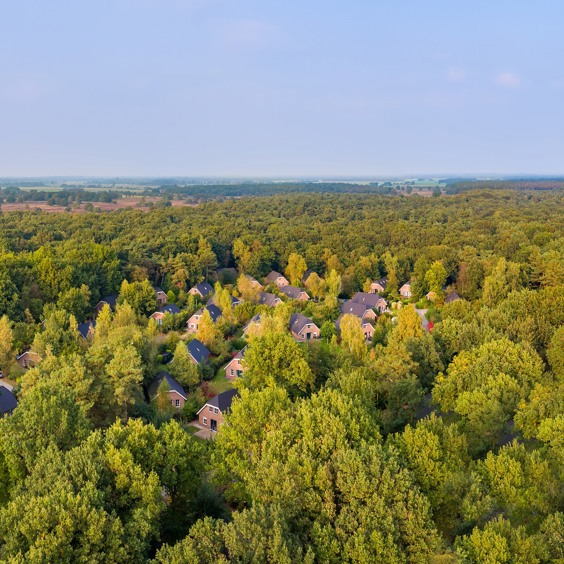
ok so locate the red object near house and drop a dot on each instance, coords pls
(430, 326)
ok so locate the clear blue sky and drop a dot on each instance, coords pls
(281, 87)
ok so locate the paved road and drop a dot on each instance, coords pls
(424, 322)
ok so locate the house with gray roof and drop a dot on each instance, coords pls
(379, 285)
(271, 300)
(360, 310)
(303, 328)
(405, 290)
(8, 401)
(86, 329)
(176, 393)
(276, 278)
(294, 293)
(211, 415)
(110, 300)
(366, 325)
(193, 323)
(375, 301)
(253, 322)
(235, 367)
(197, 351)
(202, 290)
(162, 298)
(452, 297)
(160, 314)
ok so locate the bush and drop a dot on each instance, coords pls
(237, 344)
(193, 403)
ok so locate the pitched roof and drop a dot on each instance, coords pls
(292, 291)
(452, 297)
(360, 320)
(8, 401)
(28, 351)
(215, 312)
(173, 384)
(354, 308)
(267, 299)
(223, 401)
(204, 288)
(273, 275)
(253, 320)
(157, 289)
(370, 300)
(111, 300)
(382, 282)
(198, 351)
(238, 356)
(234, 301)
(306, 275)
(84, 328)
(169, 308)
(299, 321)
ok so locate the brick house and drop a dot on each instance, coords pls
(405, 290)
(276, 278)
(379, 286)
(193, 323)
(306, 275)
(255, 284)
(28, 359)
(375, 301)
(294, 293)
(211, 415)
(109, 300)
(202, 290)
(86, 330)
(162, 298)
(366, 325)
(235, 368)
(271, 300)
(253, 322)
(197, 351)
(452, 297)
(303, 328)
(161, 313)
(234, 301)
(360, 310)
(176, 393)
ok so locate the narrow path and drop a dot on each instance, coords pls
(424, 322)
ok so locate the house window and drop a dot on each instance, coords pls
(177, 403)
(205, 421)
(239, 373)
(171, 402)
(210, 409)
(232, 372)
(215, 410)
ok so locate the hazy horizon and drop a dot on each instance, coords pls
(217, 89)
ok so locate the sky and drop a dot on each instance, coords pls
(281, 88)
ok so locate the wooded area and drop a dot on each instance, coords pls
(424, 443)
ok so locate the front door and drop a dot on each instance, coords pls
(308, 335)
(213, 424)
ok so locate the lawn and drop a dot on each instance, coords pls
(220, 383)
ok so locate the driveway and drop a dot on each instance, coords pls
(421, 313)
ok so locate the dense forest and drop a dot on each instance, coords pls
(437, 440)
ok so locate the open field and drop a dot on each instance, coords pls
(121, 203)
